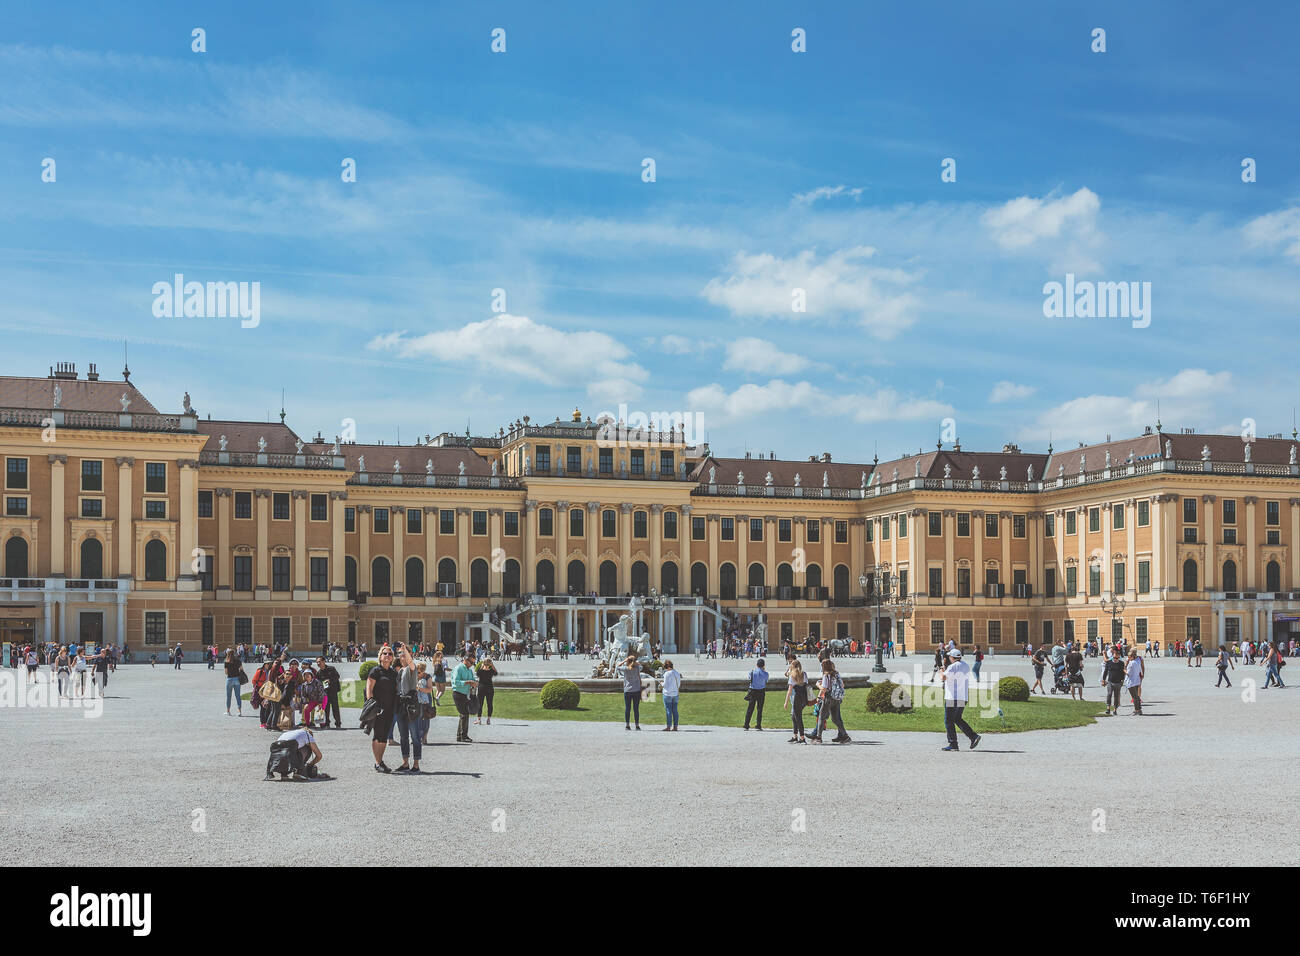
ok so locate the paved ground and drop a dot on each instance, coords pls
(1174, 787)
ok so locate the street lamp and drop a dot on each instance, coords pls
(876, 589)
(1114, 607)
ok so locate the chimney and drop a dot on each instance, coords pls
(64, 370)
(93, 374)
(826, 457)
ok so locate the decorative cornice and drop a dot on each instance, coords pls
(338, 495)
(125, 462)
(57, 459)
(262, 492)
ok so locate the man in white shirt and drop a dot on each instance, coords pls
(295, 752)
(956, 692)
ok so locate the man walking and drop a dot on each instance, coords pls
(1136, 670)
(757, 691)
(956, 692)
(1223, 663)
(1272, 661)
(1112, 675)
(329, 677)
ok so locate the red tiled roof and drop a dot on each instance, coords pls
(79, 395)
(243, 436)
(380, 458)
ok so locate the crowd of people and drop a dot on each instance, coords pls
(75, 668)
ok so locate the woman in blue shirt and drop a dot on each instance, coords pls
(463, 684)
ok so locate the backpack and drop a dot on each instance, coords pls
(837, 687)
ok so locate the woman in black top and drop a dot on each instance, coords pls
(233, 669)
(486, 671)
(381, 687)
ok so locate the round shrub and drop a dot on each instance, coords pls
(366, 668)
(560, 694)
(889, 698)
(1013, 688)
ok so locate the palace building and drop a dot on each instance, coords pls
(126, 524)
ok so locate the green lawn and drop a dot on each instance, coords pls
(727, 709)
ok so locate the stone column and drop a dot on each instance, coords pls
(684, 548)
(431, 525)
(188, 532)
(496, 569)
(301, 559)
(949, 553)
(656, 522)
(593, 540)
(742, 556)
(221, 566)
(977, 571)
(363, 552)
(712, 531)
(338, 549)
(1292, 560)
(1252, 553)
(397, 578)
(562, 547)
(1130, 553)
(1107, 568)
(58, 524)
(125, 518)
(1158, 532)
(530, 547)
(462, 546)
(1209, 567)
(262, 582)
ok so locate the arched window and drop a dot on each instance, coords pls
(640, 578)
(727, 582)
(478, 578)
(668, 579)
(447, 571)
(699, 579)
(842, 584)
(350, 577)
(1189, 575)
(545, 577)
(577, 577)
(608, 579)
(813, 576)
(155, 561)
(1230, 575)
(1273, 577)
(414, 578)
(510, 579)
(757, 575)
(784, 576)
(16, 557)
(381, 584)
(92, 558)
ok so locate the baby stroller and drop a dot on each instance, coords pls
(1060, 680)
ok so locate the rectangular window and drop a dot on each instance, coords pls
(92, 507)
(381, 520)
(994, 632)
(155, 628)
(1271, 512)
(1117, 517)
(670, 525)
(991, 582)
(963, 582)
(990, 525)
(697, 528)
(543, 458)
(155, 477)
(609, 524)
(902, 583)
(936, 632)
(812, 530)
(1094, 520)
(1017, 526)
(1116, 630)
(205, 504)
(209, 630)
(1071, 521)
(320, 507)
(1189, 510)
(414, 520)
(884, 528)
(1047, 632)
(155, 508)
(280, 630)
(607, 461)
(1094, 580)
(446, 521)
(1022, 632)
(349, 519)
(243, 572)
(280, 574)
(574, 455)
(1049, 583)
(935, 521)
(1140, 630)
(1229, 535)
(510, 522)
(320, 574)
(1229, 511)
(243, 630)
(92, 476)
(205, 574)
(936, 582)
(243, 504)
(755, 529)
(16, 473)
(1092, 629)
(1049, 525)
(1071, 581)
(963, 524)
(638, 461)
(784, 529)
(728, 529)
(577, 519)
(1273, 537)
(1193, 628)
(280, 506)
(666, 465)
(1144, 577)
(966, 632)
(641, 525)
(1067, 630)
(1144, 513)
(1118, 580)
(1189, 535)
(320, 631)
(545, 524)
(841, 532)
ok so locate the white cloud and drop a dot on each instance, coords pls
(517, 346)
(681, 345)
(1010, 391)
(779, 396)
(826, 192)
(1024, 221)
(1277, 228)
(759, 356)
(763, 286)
(1189, 397)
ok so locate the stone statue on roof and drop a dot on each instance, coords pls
(895, 474)
(494, 467)
(767, 480)
(1292, 459)
(222, 442)
(864, 480)
(58, 396)
(460, 468)
(1169, 448)
(713, 474)
(1002, 473)
(126, 401)
(918, 468)
(297, 444)
(1107, 458)
(397, 466)
(1129, 459)
(1083, 463)
(1029, 473)
(947, 470)
(975, 473)
(261, 443)
(361, 463)
(1060, 470)
(335, 450)
(189, 409)
(1247, 451)
(1205, 453)
(740, 478)
(826, 481)
(798, 480)
(428, 467)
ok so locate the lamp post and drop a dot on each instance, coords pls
(1114, 607)
(876, 589)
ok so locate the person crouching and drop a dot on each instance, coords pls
(295, 753)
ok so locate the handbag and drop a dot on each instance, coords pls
(271, 691)
(243, 678)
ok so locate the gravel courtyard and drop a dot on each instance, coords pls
(165, 777)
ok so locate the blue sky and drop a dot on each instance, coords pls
(775, 170)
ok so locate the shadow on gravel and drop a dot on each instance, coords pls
(985, 750)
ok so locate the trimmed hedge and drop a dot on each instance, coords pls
(560, 694)
(366, 667)
(889, 698)
(1013, 688)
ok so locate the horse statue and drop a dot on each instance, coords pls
(621, 644)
